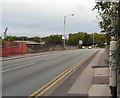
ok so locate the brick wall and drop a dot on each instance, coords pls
(12, 48)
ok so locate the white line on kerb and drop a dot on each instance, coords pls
(17, 67)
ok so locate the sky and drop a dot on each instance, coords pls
(46, 17)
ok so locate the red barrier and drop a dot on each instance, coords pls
(12, 48)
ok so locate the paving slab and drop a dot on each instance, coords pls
(99, 90)
(100, 80)
(101, 72)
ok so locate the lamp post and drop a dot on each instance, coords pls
(94, 35)
(65, 27)
(93, 40)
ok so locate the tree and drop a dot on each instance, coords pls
(0, 37)
(74, 38)
(99, 39)
(53, 40)
(5, 33)
(35, 39)
(109, 13)
(86, 38)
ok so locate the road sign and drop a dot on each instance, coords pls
(65, 36)
(80, 42)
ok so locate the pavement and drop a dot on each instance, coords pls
(94, 80)
(24, 56)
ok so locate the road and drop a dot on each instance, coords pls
(22, 77)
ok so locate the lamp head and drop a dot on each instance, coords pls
(72, 14)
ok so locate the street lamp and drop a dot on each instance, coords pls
(93, 40)
(65, 27)
(94, 35)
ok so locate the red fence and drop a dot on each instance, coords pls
(12, 48)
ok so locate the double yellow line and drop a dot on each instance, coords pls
(50, 84)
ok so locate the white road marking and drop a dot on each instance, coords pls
(17, 67)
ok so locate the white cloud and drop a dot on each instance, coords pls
(32, 17)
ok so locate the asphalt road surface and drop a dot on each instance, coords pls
(22, 77)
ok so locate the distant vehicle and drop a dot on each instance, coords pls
(89, 47)
(83, 47)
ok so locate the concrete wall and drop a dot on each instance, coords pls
(42, 48)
